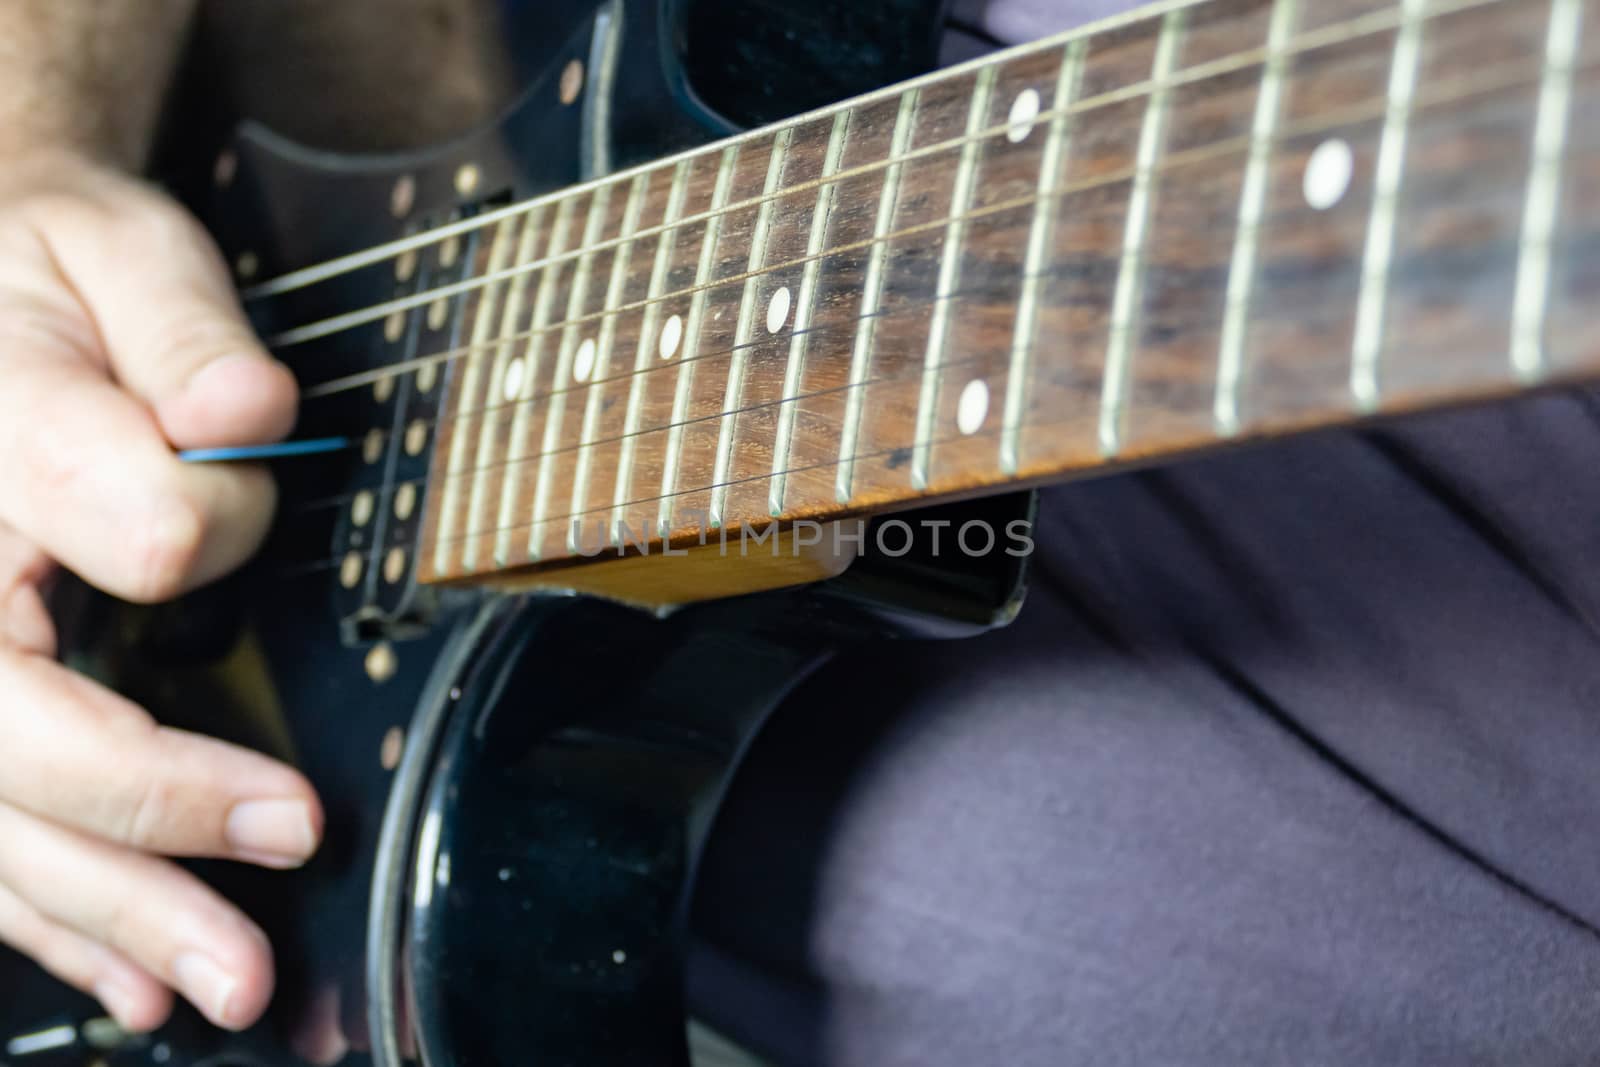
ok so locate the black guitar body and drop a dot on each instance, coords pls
(517, 787)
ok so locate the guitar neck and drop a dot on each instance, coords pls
(1206, 223)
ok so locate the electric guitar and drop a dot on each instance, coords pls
(613, 392)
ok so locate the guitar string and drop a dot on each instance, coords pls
(690, 491)
(505, 465)
(647, 526)
(1327, 36)
(1355, 113)
(470, 472)
(372, 313)
(876, 382)
(1351, 114)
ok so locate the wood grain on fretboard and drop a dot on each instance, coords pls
(965, 303)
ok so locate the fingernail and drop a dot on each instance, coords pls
(121, 1002)
(275, 832)
(207, 986)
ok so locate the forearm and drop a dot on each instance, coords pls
(88, 76)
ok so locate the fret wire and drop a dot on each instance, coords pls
(1252, 206)
(1124, 310)
(1205, 152)
(756, 407)
(1376, 22)
(1440, 92)
(1459, 88)
(1044, 426)
(1370, 304)
(330, 562)
(456, 461)
(521, 405)
(511, 311)
(691, 330)
(949, 278)
(761, 406)
(737, 357)
(556, 407)
(1443, 92)
(675, 493)
(608, 336)
(741, 411)
(665, 244)
(805, 303)
(1056, 146)
(1177, 160)
(803, 468)
(340, 501)
(1544, 191)
(872, 287)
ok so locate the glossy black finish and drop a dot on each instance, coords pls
(516, 890)
(564, 822)
(827, 50)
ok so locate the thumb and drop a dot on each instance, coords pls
(171, 324)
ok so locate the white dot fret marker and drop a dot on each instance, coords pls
(778, 310)
(671, 336)
(1024, 113)
(583, 361)
(1328, 174)
(514, 372)
(973, 407)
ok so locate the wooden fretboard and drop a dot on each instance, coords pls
(1210, 222)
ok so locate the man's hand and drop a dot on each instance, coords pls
(121, 340)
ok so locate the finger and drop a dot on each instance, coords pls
(135, 999)
(91, 481)
(172, 330)
(162, 918)
(90, 474)
(24, 619)
(87, 758)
